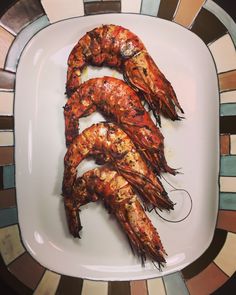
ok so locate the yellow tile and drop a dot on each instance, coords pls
(186, 13)
(156, 286)
(228, 96)
(223, 52)
(131, 6)
(227, 184)
(233, 144)
(6, 138)
(10, 243)
(93, 287)
(64, 9)
(6, 103)
(48, 284)
(6, 40)
(227, 257)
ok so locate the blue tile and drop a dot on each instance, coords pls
(21, 40)
(150, 7)
(228, 109)
(8, 217)
(175, 285)
(8, 176)
(228, 165)
(228, 201)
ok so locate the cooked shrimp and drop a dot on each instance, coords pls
(117, 47)
(111, 144)
(116, 100)
(121, 201)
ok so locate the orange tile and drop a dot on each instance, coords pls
(227, 80)
(186, 13)
(6, 40)
(6, 155)
(224, 144)
(138, 287)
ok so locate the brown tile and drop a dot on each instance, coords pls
(227, 220)
(6, 122)
(27, 270)
(138, 287)
(208, 27)
(117, 288)
(6, 40)
(224, 144)
(7, 198)
(7, 80)
(227, 80)
(69, 285)
(207, 257)
(186, 13)
(209, 280)
(167, 9)
(6, 155)
(102, 7)
(22, 13)
(228, 124)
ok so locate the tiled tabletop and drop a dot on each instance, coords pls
(214, 23)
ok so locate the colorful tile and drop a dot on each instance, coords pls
(65, 9)
(224, 144)
(8, 176)
(228, 166)
(6, 138)
(227, 184)
(94, 287)
(133, 6)
(156, 286)
(227, 220)
(117, 288)
(228, 96)
(102, 7)
(27, 270)
(7, 80)
(174, 284)
(228, 124)
(227, 256)
(150, 7)
(6, 122)
(6, 40)
(6, 155)
(208, 27)
(233, 144)
(228, 109)
(207, 281)
(69, 285)
(228, 201)
(227, 80)
(22, 39)
(167, 9)
(48, 284)
(8, 217)
(7, 198)
(223, 52)
(139, 287)
(21, 14)
(186, 13)
(6, 103)
(10, 243)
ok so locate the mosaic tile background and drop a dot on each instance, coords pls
(214, 23)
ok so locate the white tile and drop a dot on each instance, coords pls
(156, 286)
(233, 144)
(227, 184)
(94, 287)
(131, 6)
(6, 138)
(224, 53)
(6, 103)
(228, 96)
(61, 9)
(48, 284)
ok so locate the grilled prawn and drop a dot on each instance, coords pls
(116, 100)
(117, 47)
(108, 143)
(121, 201)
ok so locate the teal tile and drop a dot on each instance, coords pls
(175, 285)
(8, 217)
(150, 7)
(21, 40)
(228, 201)
(8, 176)
(228, 165)
(223, 16)
(228, 109)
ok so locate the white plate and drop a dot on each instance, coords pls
(192, 144)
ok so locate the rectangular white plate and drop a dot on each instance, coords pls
(192, 145)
